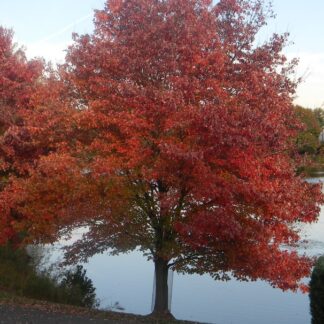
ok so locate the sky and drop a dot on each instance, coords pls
(44, 28)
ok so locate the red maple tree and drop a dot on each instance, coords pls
(18, 81)
(178, 142)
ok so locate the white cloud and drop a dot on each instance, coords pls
(52, 46)
(65, 30)
(51, 51)
(310, 92)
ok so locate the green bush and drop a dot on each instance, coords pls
(79, 288)
(317, 292)
(19, 274)
(15, 269)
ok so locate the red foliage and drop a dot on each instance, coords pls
(178, 140)
(18, 80)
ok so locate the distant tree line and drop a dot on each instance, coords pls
(309, 147)
(308, 138)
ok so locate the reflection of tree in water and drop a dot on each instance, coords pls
(317, 292)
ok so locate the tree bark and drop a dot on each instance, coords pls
(161, 308)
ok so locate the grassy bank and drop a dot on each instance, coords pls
(21, 276)
(23, 284)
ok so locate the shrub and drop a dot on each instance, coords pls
(317, 292)
(80, 288)
(20, 275)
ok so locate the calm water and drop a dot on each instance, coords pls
(128, 280)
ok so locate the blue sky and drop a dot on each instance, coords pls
(44, 27)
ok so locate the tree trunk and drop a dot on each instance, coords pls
(161, 288)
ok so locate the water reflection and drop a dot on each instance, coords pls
(128, 279)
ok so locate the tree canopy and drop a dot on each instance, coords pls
(18, 82)
(172, 132)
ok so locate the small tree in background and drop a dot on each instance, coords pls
(80, 288)
(307, 140)
(319, 113)
(316, 294)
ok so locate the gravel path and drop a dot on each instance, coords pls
(47, 313)
(12, 314)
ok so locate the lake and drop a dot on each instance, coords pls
(128, 280)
